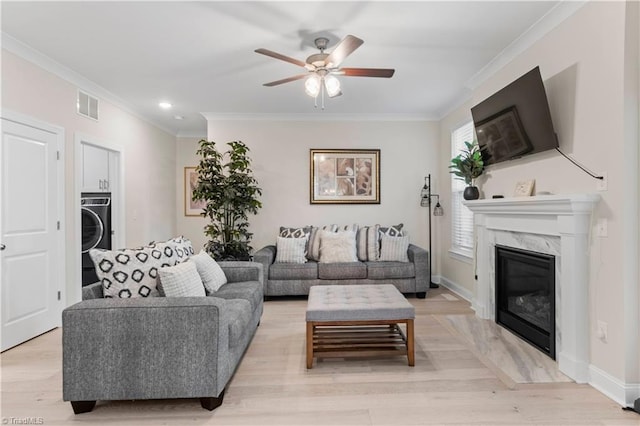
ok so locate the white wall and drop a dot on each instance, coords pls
(148, 154)
(280, 157)
(582, 63)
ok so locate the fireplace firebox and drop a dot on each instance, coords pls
(525, 295)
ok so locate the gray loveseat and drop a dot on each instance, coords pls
(289, 279)
(160, 347)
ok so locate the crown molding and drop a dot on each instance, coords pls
(539, 29)
(212, 116)
(41, 60)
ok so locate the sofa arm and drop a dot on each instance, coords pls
(236, 271)
(155, 348)
(266, 256)
(420, 259)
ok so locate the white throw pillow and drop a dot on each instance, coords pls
(291, 250)
(210, 272)
(394, 249)
(181, 280)
(313, 250)
(338, 247)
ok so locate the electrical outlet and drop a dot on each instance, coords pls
(601, 227)
(603, 184)
(601, 333)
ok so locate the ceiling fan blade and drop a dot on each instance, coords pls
(285, 80)
(281, 57)
(366, 72)
(345, 48)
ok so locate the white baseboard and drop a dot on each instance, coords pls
(456, 288)
(622, 393)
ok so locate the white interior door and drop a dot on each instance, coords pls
(29, 235)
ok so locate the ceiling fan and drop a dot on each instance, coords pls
(323, 67)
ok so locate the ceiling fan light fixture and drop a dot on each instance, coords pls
(332, 84)
(312, 85)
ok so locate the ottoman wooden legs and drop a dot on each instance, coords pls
(341, 339)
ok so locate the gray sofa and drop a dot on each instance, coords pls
(160, 347)
(289, 279)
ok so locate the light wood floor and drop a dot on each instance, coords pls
(448, 385)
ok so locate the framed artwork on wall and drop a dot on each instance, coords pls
(344, 176)
(191, 208)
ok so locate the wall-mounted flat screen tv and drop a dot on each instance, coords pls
(515, 121)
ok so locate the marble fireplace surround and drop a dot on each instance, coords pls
(549, 224)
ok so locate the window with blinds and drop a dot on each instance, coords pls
(461, 217)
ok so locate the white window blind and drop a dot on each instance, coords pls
(461, 217)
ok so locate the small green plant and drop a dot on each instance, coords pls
(468, 165)
(227, 185)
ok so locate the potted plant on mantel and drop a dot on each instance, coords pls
(227, 185)
(467, 166)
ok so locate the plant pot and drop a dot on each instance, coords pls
(471, 193)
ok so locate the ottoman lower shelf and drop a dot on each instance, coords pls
(342, 339)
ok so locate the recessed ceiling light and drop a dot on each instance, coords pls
(165, 105)
(178, 117)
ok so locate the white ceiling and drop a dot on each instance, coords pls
(200, 55)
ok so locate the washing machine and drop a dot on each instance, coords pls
(95, 208)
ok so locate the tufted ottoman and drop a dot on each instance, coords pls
(358, 320)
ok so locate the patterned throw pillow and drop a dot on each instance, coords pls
(182, 247)
(352, 228)
(210, 272)
(181, 280)
(394, 249)
(132, 272)
(303, 232)
(314, 240)
(367, 243)
(290, 250)
(338, 247)
(392, 231)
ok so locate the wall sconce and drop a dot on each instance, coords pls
(425, 201)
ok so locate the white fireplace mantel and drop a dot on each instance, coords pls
(554, 224)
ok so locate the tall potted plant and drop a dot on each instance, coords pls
(467, 166)
(227, 185)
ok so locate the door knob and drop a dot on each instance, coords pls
(2, 247)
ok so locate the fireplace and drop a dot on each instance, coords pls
(557, 225)
(525, 295)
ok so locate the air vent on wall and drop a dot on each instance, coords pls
(87, 105)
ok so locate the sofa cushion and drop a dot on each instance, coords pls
(251, 291)
(132, 272)
(291, 250)
(238, 314)
(390, 270)
(342, 271)
(338, 247)
(181, 280)
(293, 271)
(211, 273)
(394, 249)
(367, 243)
(314, 240)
